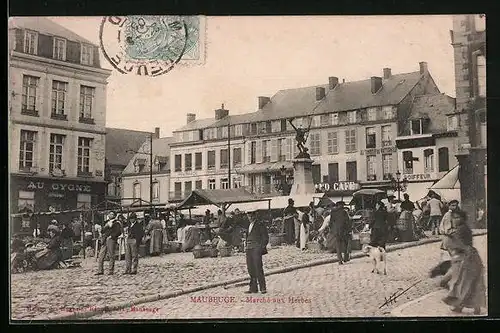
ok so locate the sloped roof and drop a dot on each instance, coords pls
(218, 197)
(161, 148)
(197, 124)
(46, 26)
(119, 140)
(437, 103)
(357, 94)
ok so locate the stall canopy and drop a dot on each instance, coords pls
(448, 187)
(218, 198)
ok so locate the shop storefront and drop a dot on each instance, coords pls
(52, 194)
(337, 191)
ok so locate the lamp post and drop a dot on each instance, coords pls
(399, 184)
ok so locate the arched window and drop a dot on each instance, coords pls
(444, 160)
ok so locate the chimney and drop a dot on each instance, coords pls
(263, 100)
(190, 118)
(376, 84)
(343, 80)
(221, 113)
(423, 67)
(387, 73)
(320, 93)
(157, 133)
(332, 82)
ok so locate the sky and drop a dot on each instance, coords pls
(247, 57)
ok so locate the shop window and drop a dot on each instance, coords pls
(26, 200)
(444, 159)
(83, 201)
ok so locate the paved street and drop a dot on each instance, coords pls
(59, 291)
(321, 291)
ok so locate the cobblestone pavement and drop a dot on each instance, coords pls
(330, 290)
(60, 291)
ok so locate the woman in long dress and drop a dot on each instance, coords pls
(379, 228)
(304, 228)
(155, 231)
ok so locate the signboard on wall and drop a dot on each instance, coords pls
(419, 176)
(337, 186)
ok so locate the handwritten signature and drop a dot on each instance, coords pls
(393, 298)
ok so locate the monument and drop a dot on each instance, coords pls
(302, 165)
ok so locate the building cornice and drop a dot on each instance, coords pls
(56, 179)
(57, 67)
(146, 173)
(60, 127)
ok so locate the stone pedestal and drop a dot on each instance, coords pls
(302, 177)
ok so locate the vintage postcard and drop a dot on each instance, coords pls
(199, 167)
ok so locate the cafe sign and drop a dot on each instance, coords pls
(337, 186)
(65, 187)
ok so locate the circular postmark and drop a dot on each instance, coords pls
(145, 45)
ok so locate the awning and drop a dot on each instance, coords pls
(448, 181)
(416, 191)
(218, 198)
(266, 167)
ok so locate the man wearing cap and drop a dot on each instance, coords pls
(256, 243)
(135, 232)
(111, 231)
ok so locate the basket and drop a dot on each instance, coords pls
(212, 252)
(364, 237)
(198, 253)
(225, 251)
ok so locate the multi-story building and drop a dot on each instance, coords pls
(428, 143)
(139, 177)
(468, 39)
(57, 112)
(353, 127)
(121, 145)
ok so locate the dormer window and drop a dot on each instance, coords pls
(420, 126)
(87, 55)
(59, 50)
(140, 164)
(30, 42)
(161, 162)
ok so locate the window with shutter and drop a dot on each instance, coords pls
(408, 162)
(316, 173)
(274, 150)
(429, 160)
(288, 149)
(258, 152)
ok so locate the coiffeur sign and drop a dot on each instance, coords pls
(337, 186)
(60, 187)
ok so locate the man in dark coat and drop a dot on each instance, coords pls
(340, 226)
(111, 231)
(289, 216)
(135, 233)
(256, 242)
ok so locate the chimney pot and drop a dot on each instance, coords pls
(343, 80)
(221, 113)
(423, 67)
(333, 81)
(387, 73)
(376, 84)
(263, 100)
(320, 93)
(190, 117)
(157, 133)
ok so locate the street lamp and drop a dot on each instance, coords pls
(399, 184)
(282, 183)
(150, 169)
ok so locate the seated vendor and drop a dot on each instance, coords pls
(50, 257)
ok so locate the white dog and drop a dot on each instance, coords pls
(378, 255)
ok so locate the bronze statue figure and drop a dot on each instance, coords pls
(301, 139)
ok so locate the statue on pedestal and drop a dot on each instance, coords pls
(300, 138)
